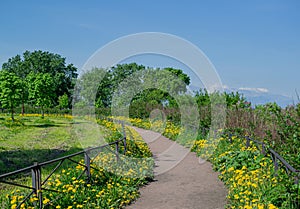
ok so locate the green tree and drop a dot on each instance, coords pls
(63, 75)
(10, 91)
(115, 85)
(88, 85)
(112, 79)
(16, 66)
(149, 89)
(63, 101)
(41, 90)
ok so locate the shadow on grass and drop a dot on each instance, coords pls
(43, 125)
(17, 159)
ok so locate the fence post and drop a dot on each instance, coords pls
(37, 183)
(263, 149)
(274, 158)
(230, 138)
(247, 142)
(124, 137)
(117, 151)
(87, 162)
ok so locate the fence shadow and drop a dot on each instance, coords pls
(17, 159)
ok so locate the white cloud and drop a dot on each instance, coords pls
(258, 90)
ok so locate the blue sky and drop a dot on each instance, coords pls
(253, 44)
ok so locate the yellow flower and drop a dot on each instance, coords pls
(271, 206)
(260, 206)
(46, 200)
(13, 201)
(14, 206)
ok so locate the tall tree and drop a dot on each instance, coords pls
(41, 89)
(16, 66)
(10, 91)
(63, 75)
(111, 80)
(88, 84)
(146, 89)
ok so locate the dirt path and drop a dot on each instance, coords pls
(180, 183)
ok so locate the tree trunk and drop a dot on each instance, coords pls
(12, 113)
(23, 106)
(43, 113)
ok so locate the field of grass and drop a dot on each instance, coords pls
(31, 139)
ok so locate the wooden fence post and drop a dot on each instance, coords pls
(37, 183)
(263, 149)
(230, 138)
(87, 162)
(247, 142)
(117, 151)
(274, 158)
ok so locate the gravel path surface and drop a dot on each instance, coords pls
(181, 180)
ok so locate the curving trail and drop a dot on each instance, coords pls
(179, 183)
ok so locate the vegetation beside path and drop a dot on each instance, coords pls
(249, 176)
(113, 184)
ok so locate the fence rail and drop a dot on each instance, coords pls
(264, 150)
(274, 156)
(36, 169)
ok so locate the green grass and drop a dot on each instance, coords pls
(34, 140)
(31, 139)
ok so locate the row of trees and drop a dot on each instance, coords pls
(38, 78)
(130, 86)
(44, 80)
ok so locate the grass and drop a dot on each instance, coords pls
(32, 139)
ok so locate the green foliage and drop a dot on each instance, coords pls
(133, 74)
(250, 177)
(68, 188)
(112, 79)
(283, 130)
(44, 62)
(87, 88)
(13, 123)
(63, 101)
(10, 91)
(235, 99)
(41, 89)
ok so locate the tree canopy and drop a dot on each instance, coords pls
(41, 89)
(63, 75)
(10, 90)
